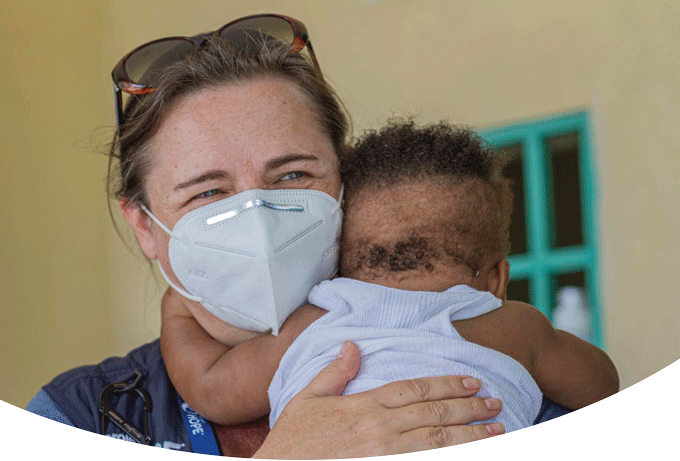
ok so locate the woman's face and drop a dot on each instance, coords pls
(260, 134)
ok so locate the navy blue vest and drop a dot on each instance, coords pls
(77, 392)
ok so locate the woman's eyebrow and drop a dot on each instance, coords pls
(280, 161)
(207, 176)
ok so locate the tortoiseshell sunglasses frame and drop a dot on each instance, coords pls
(123, 83)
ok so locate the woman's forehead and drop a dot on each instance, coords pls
(233, 112)
(238, 125)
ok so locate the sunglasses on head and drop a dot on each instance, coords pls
(136, 72)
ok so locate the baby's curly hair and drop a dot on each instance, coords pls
(475, 229)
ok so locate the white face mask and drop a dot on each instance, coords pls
(251, 259)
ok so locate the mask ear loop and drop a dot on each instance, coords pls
(150, 215)
(338, 209)
(178, 289)
(341, 197)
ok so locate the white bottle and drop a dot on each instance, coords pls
(571, 313)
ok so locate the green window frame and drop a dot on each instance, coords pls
(543, 261)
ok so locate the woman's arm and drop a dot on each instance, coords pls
(224, 384)
(399, 417)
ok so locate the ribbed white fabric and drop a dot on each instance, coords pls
(401, 335)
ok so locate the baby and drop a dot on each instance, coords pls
(424, 246)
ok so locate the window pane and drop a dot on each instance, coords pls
(514, 170)
(571, 279)
(567, 279)
(571, 311)
(518, 290)
(566, 218)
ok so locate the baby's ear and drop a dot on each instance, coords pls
(499, 276)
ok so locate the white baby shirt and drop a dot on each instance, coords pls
(401, 335)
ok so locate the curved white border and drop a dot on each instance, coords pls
(639, 422)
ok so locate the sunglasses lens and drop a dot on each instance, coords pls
(249, 33)
(145, 65)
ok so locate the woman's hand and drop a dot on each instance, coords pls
(400, 417)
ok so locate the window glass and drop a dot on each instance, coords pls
(571, 309)
(518, 290)
(565, 208)
(566, 279)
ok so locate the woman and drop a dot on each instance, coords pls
(218, 116)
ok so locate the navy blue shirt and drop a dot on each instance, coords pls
(73, 398)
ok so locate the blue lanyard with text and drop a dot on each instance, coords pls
(200, 432)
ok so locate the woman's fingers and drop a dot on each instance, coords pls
(403, 393)
(445, 436)
(400, 417)
(437, 413)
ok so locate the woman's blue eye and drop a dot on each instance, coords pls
(209, 193)
(293, 175)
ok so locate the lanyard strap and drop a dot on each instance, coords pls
(200, 431)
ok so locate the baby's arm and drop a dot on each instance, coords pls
(569, 371)
(227, 385)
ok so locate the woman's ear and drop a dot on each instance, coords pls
(140, 223)
(499, 276)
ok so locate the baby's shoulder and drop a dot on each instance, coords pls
(518, 313)
(520, 323)
(515, 329)
(510, 317)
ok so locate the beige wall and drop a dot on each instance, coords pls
(73, 292)
(55, 308)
